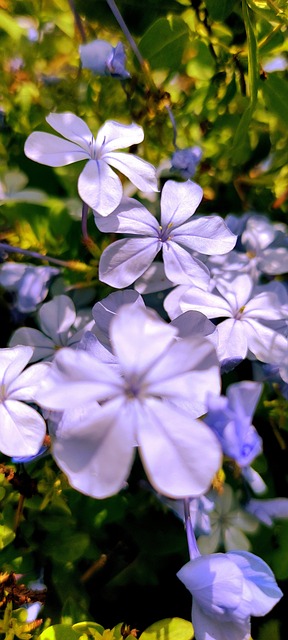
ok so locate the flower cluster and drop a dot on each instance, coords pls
(121, 378)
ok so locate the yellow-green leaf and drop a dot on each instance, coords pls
(169, 629)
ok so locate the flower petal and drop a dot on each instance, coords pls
(171, 448)
(232, 339)
(215, 582)
(98, 455)
(22, 429)
(100, 187)
(212, 305)
(115, 135)
(140, 338)
(211, 628)
(129, 217)
(265, 306)
(43, 347)
(261, 581)
(105, 310)
(71, 127)
(57, 317)
(179, 200)
(182, 268)
(74, 378)
(53, 151)
(12, 362)
(265, 343)
(140, 172)
(125, 260)
(26, 385)
(243, 397)
(206, 234)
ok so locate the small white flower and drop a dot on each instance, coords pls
(98, 185)
(228, 524)
(57, 320)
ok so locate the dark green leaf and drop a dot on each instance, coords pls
(164, 42)
(219, 9)
(275, 93)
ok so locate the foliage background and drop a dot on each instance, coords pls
(116, 559)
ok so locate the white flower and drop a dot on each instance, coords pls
(228, 522)
(98, 185)
(150, 400)
(22, 428)
(248, 314)
(57, 320)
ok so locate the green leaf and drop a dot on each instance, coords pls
(84, 627)
(59, 632)
(275, 93)
(219, 9)
(6, 536)
(201, 65)
(10, 25)
(164, 42)
(270, 630)
(241, 147)
(71, 546)
(169, 629)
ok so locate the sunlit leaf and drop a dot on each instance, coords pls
(169, 629)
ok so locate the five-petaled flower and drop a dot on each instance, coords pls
(98, 184)
(150, 400)
(178, 235)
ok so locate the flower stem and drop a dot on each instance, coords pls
(85, 210)
(173, 122)
(127, 34)
(78, 21)
(32, 254)
(191, 540)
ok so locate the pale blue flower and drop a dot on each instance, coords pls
(150, 400)
(98, 185)
(227, 589)
(30, 284)
(251, 314)
(103, 59)
(231, 420)
(268, 510)
(13, 189)
(185, 161)
(177, 235)
(57, 320)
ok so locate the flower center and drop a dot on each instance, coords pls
(93, 148)
(239, 312)
(251, 254)
(164, 234)
(134, 388)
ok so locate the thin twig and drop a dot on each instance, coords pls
(33, 254)
(78, 21)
